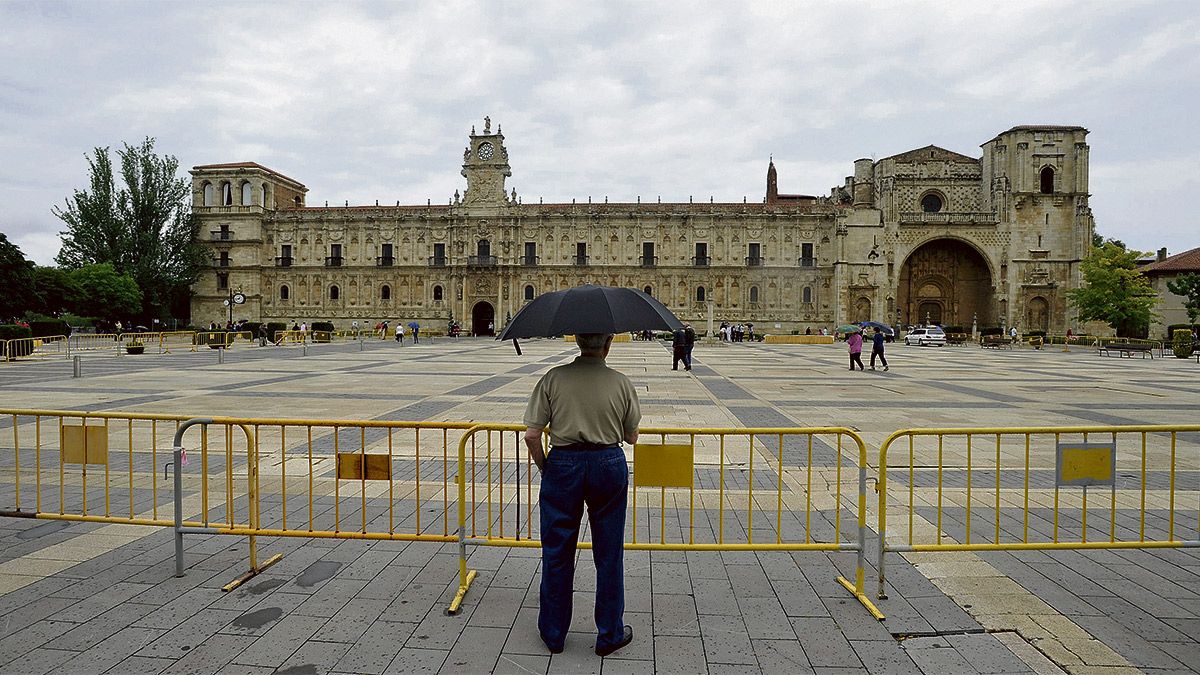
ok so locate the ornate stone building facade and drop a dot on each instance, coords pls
(925, 235)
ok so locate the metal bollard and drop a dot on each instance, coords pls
(78, 365)
(305, 344)
(220, 355)
(360, 344)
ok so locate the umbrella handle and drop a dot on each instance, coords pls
(518, 346)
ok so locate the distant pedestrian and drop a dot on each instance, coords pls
(262, 335)
(678, 349)
(689, 341)
(877, 349)
(416, 331)
(400, 333)
(854, 344)
(1012, 333)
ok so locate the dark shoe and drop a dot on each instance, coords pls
(552, 648)
(605, 651)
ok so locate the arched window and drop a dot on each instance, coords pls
(437, 293)
(1048, 180)
(483, 248)
(699, 294)
(334, 293)
(806, 294)
(264, 195)
(931, 203)
(296, 200)
(385, 292)
(247, 194)
(284, 292)
(647, 291)
(754, 294)
(226, 194)
(529, 292)
(209, 195)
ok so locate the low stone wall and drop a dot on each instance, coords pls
(619, 337)
(799, 339)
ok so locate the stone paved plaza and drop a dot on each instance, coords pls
(94, 597)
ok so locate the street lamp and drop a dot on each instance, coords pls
(235, 298)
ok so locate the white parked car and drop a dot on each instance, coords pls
(926, 336)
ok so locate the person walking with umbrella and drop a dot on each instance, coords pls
(854, 344)
(589, 408)
(877, 348)
(416, 329)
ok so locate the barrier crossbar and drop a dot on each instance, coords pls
(692, 489)
(1027, 488)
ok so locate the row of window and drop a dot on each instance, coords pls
(245, 193)
(385, 292)
(484, 257)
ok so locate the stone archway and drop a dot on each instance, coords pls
(947, 280)
(483, 319)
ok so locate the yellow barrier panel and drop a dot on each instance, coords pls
(1027, 488)
(736, 489)
(46, 347)
(309, 488)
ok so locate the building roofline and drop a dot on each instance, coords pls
(247, 165)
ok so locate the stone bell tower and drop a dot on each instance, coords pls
(485, 166)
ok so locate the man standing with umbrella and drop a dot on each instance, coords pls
(589, 408)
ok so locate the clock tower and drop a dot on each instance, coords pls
(485, 166)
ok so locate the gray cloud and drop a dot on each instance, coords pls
(373, 101)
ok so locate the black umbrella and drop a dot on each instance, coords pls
(589, 309)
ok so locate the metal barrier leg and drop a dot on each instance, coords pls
(175, 468)
(465, 576)
(252, 491)
(857, 588)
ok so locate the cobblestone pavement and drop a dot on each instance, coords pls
(95, 597)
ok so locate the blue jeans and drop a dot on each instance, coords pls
(599, 478)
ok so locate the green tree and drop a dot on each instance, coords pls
(16, 281)
(142, 226)
(1188, 285)
(105, 294)
(1115, 291)
(57, 291)
(1098, 240)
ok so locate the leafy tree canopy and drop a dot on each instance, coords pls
(1188, 285)
(105, 294)
(1114, 290)
(141, 225)
(56, 289)
(16, 281)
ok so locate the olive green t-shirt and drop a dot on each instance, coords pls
(584, 401)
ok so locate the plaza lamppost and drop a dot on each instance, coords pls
(235, 298)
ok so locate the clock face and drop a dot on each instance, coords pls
(486, 151)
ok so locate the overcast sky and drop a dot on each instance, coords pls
(375, 100)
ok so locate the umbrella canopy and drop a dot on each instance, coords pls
(848, 328)
(413, 324)
(589, 309)
(881, 326)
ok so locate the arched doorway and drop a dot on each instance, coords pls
(483, 319)
(947, 282)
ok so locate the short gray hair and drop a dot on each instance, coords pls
(592, 342)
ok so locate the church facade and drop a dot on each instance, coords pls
(928, 235)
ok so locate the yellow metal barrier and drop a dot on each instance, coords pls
(47, 347)
(1023, 488)
(692, 489)
(344, 479)
(94, 342)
